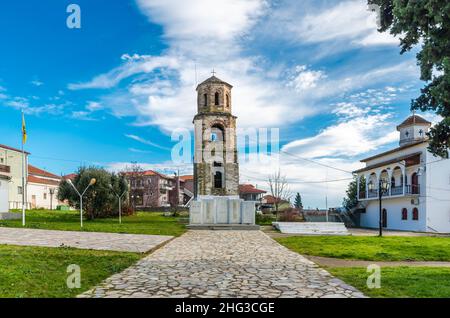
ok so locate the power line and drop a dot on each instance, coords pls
(298, 181)
(315, 162)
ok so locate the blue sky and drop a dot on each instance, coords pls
(113, 91)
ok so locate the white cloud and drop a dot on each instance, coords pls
(305, 79)
(93, 106)
(138, 150)
(133, 66)
(82, 115)
(37, 83)
(146, 142)
(349, 23)
(202, 21)
(351, 138)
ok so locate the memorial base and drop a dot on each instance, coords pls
(221, 213)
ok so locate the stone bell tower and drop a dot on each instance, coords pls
(216, 168)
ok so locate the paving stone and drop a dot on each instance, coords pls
(84, 240)
(242, 264)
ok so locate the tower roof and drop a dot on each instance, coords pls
(214, 80)
(413, 120)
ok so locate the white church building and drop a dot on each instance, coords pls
(416, 196)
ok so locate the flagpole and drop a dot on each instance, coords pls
(23, 172)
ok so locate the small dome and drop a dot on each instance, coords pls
(214, 80)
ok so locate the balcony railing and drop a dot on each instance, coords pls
(5, 169)
(394, 191)
(413, 189)
(373, 193)
(397, 190)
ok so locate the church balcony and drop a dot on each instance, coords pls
(393, 192)
(397, 190)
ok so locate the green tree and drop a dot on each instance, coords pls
(298, 201)
(426, 22)
(351, 201)
(99, 200)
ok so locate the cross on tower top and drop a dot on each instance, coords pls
(213, 72)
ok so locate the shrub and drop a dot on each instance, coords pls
(289, 215)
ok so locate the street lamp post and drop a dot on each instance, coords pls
(383, 186)
(120, 201)
(91, 183)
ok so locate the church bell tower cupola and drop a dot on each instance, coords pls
(216, 169)
(214, 95)
(413, 129)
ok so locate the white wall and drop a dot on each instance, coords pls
(394, 208)
(4, 196)
(38, 190)
(438, 194)
(14, 160)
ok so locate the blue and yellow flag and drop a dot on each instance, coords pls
(24, 130)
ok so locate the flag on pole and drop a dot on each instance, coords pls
(24, 130)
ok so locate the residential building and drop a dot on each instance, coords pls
(42, 189)
(249, 192)
(187, 188)
(418, 184)
(11, 168)
(5, 173)
(149, 189)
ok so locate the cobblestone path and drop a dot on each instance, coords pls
(85, 240)
(223, 264)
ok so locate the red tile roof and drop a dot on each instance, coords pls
(13, 149)
(70, 176)
(39, 172)
(249, 188)
(148, 173)
(413, 119)
(270, 199)
(186, 178)
(33, 179)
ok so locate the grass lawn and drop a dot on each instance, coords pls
(400, 282)
(392, 248)
(42, 271)
(141, 223)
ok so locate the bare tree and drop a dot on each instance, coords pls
(279, 189)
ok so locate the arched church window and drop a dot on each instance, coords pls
(415, 214)
(205, 100)
(404, 214)
(228, 101)
(216, 99)
(218, 180)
